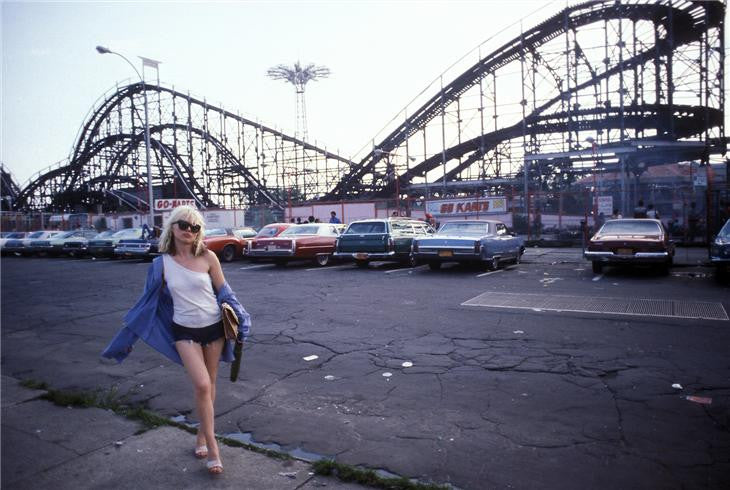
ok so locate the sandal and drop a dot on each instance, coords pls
(201, 452)
(215, 467)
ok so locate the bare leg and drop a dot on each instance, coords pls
(193, 360)
(212, 356)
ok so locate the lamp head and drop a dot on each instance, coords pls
(103, 50)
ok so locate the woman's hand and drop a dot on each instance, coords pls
(215, 270)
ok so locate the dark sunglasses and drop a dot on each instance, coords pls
(185, 226)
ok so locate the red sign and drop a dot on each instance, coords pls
(168, 204)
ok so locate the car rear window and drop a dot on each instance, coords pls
(618, 227)
(362, 228)
(301, 230)
(725, 231)
(475, 229)
(215, 232)
(267, 231)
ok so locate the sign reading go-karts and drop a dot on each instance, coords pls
(168, 204)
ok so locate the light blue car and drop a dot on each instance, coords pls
(486, 242)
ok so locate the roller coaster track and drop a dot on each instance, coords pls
(616, 73)
(109, 144)
(676, 24)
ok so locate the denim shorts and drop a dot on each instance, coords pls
(202, 335)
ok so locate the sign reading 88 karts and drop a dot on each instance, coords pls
(467, 207)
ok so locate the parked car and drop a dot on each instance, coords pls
(380, 239)
(311, 241)
(104, 246)
(486, 242)
(10, 235)
(78, 245)
(23, 245)
(229, 243)
(268, 231)
(720, 250)
(144, 248)
(631, 242)
(54, 246)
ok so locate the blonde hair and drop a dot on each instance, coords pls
(191, 215)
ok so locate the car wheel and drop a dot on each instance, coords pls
(434, 266)
(363, 264)
(411, 261)
(228, 253)
(597, 267)
(491, 264)
(322, 259)
(518, 258)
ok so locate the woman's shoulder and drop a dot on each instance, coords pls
(210, 257)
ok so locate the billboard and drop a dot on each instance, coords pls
(475, 206)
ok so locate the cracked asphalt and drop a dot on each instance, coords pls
(495, 397)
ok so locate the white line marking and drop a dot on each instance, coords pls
(489, 273)
(255, 266)
(597, 278)
(325, 268)
(401, 269)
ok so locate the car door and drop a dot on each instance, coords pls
(507, 243)
(402, 234)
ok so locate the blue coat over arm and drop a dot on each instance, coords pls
(151, 320)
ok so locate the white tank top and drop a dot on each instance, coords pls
(193, 299)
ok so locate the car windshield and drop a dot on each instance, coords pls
(15, 235)
(267, 231)
(65, 234)
(473, 229)
(128, 233)
(630, 227)
(215, 232)
(366, 227)
(725, 231)
(105, 234)
(36, 234)
(301, 230)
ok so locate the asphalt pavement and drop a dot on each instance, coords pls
(414, 372)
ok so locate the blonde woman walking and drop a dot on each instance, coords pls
(179, 315)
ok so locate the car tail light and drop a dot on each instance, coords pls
(477, 247)
(293, 245)
(391, 245)
(414, 246)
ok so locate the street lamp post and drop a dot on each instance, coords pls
(151, 217)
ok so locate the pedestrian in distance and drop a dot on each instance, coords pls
(616, 214)
(299, 220)
(179, 315)
(310, 219)
(334, 218)
(640, 210)
(651, 212)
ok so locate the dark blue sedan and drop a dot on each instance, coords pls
(486, 242)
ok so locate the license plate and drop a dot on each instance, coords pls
(361, 256)
(625, 251)
(446, 253)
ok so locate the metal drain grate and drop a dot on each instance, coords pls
(612, 306)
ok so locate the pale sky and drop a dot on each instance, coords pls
(381, 54)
